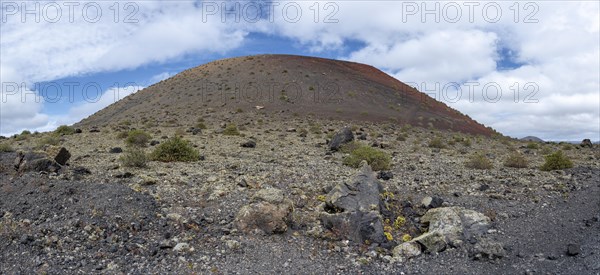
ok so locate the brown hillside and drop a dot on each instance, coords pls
(286, 85)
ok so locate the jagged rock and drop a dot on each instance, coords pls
(267, 214)
(354, 208)
(60, 154)
(78, 131)
(451, 226)
(587, 143)
(340, 138)
(154, 142)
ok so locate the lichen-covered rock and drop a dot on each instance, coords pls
(264, 217)
(407, 250)
(451, 226)
(486, 249)
(268, 213)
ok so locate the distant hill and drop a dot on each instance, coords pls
(532, 138)
(286, 85)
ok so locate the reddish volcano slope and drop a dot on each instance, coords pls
(286, 85)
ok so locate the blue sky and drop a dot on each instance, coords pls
(548, 53)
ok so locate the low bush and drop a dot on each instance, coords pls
(379, 160)
(64, 130)
(533, 145)
(48, 140)
(137, 138)
(175, 149)
(516, 160)
(436, 142)
(479, 161)
(556, 161)
(5, 147)
(134, 157)
(231, 130)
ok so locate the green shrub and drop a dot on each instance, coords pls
(5, 147)
(466, 142)
(48, 140)
(175, 149)
(516, 160)
(137, 138)
(64, 130)
(533, 145)
(379, 160)
(436, 142)
(479, 161)
(556, 161)
(134, 157)
(231, 130)
(351, 146)
(25, 133)
(567, 147)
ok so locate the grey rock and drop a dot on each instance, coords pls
(407, 250)
(340, 138)
(451, 226)
(362, 194)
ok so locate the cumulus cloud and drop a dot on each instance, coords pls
(552, 44)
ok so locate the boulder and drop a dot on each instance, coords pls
(59, 154)
(35, 162)
(267, 214)
(340, 138)
(353, 209)
(587, 143)
(451, 226)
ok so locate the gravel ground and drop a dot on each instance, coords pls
(178, 218)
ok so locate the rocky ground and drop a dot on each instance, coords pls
(290, 205)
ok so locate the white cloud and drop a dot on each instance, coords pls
(560, 52)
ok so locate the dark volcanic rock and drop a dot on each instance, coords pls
(353, 209)
(340, 138)
(587, 143)
(249, 144)
(115, 150)
(60, 154)
(385, 175)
